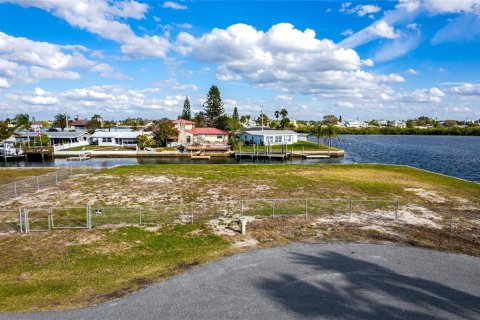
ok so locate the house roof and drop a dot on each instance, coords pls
(183, 121)
(118, 134)
(269, 132)
(79, 122)
(207, 131)
(54, 135)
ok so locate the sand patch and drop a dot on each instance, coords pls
(428, 195)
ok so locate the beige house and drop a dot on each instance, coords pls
(206, 135)
(182, 126)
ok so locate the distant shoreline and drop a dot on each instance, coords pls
(453, 131)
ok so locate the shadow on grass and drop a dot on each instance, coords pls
(362, 290)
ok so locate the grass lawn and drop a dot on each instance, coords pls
(297, 146)
(8, 175)
(64, 269)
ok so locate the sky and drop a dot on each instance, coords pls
(131, 58)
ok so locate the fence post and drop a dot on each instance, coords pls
(15, 186)
(350, 208)
(56, 178)
(191, 211)
(38, 184)
(396, 211)
(20, 224)
(273, 208)
(139, 215)
(49, 219)
(25, 220)
(306, 208)
(451, 223)
(241, 207)
(89, 216)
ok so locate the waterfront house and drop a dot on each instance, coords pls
(397, 123)
(182, 126)
(206, 136)
(54, 136)
(117, 138)
(80, 124)
(268, 137)
(355, 124)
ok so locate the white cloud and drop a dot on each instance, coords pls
(360, 10)
(432, 95)
(283, 97)
(102, 17)
(467, 89)
(22, 59)
(174, 5)
(405, 43)
(412, 72)
(452, 6)
(377, 30)
(39, 97)
(347, 32)
(288, 60)
(4, 83)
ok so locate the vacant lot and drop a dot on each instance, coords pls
(59, 269)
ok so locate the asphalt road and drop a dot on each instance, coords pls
(323, 281)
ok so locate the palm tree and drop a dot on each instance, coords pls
(317, 131)
(277, 114)
(22, 120)
(60, 121)
(330, 133)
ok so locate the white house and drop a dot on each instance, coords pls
(55, 137)
(355, 124)
(117, 138)
(397, 123)
(268, 137)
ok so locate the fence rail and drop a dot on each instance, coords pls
(36, 183)
(65, 218)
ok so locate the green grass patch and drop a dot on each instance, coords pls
(8, 175)
(59, 270)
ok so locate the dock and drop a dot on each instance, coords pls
(43, 152)
(79, 158)
(256, 156)
(316, 156)
(200, 157)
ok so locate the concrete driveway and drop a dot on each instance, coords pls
(321, 281)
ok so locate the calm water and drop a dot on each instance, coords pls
(451, 155)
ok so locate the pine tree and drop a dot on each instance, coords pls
(213, 106)
(186, 113)
(235, 114)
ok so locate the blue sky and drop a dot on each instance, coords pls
(359, 59)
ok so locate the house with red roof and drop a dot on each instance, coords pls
(206, 136)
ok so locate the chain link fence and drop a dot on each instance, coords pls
(330, 211)
(37, 183)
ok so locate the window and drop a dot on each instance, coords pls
(287, 138)
(106, 139)
(220, 137)
(269, 139)
(278, 138)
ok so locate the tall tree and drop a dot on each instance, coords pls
(213, 106)
(5, 130)
(60, 121)
(235, 115)
(22, 121)
(163, 129)
(330, 119)
(200, 119)
(186, 113)
(317, 131)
